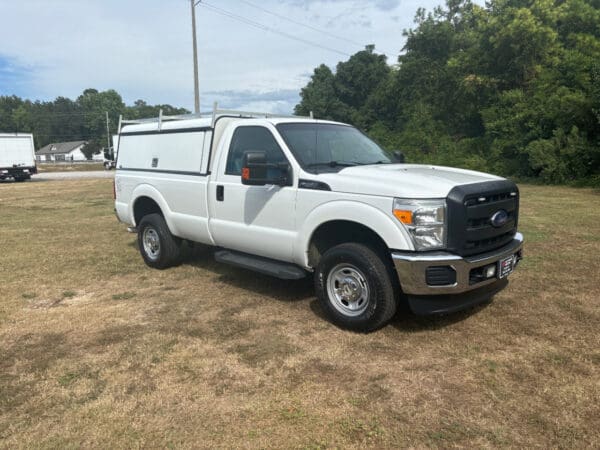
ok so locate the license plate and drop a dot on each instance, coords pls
(506, 266)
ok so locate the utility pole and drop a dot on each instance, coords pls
(196, 88)
(111, 154)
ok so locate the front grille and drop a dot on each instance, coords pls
(490, 243)
(470, 209)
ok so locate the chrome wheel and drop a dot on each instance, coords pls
(348, 290)
(151, 242)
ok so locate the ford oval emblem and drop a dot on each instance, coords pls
(499, 218)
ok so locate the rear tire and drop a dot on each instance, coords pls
(355, 287)
(159, 248)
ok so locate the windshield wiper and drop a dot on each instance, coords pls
(333, 164)
(381, 161)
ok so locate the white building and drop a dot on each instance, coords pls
(61, 151)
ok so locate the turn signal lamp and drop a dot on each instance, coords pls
(403, 216)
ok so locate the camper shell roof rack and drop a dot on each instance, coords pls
(214, 114)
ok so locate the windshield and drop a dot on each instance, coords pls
(320, 147)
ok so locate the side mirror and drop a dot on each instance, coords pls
(255, 170)
(399, 156)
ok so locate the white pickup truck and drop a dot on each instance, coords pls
(291, 196)
(17, 156)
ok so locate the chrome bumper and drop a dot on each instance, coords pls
(411, 268)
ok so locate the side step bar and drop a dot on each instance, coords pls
(279, 269)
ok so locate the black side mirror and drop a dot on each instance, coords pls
(399, 156)
(255, 170)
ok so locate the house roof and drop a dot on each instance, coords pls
(59, 147)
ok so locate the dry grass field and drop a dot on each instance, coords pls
(97, 350)
(70, 167)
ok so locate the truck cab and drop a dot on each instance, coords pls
(293, 196)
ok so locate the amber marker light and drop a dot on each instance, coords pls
(403, 216)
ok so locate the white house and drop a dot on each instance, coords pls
(61, 151)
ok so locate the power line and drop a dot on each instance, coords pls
(267, 28)
(318, 30)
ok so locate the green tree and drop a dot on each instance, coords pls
(95, 105)
(320, 96)
(141, 109)
(512, 87)
(359, 77)
(8, 105)
(63, 119)
(20, 118)
(93, 147)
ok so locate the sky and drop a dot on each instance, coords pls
(143, 49)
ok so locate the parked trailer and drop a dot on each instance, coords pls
(17, 156)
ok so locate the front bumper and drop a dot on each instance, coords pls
(412, 267)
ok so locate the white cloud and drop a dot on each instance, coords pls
(143, 48)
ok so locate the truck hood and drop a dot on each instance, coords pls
(401, 180)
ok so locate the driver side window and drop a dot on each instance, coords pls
(252, 138)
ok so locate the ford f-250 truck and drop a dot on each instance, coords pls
(290, 196)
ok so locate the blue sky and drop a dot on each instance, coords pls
(13, 78)
(143, 48)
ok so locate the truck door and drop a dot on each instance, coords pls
(252, 219)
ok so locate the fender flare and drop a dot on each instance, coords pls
(390, 231)
(146, 190)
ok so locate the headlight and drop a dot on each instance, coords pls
(425, 221)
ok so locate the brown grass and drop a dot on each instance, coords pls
(69, 167)
(97, 350)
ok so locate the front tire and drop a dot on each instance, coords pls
(159, 248)
(355, 288)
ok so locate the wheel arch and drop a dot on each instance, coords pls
(148, 200)
(335, 232)
(144, 206)
(347, 221)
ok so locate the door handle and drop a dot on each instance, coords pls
(220, 193)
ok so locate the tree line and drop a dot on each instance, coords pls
(511, 88)
(84, 118)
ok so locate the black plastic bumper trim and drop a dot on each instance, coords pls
(424, 305)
